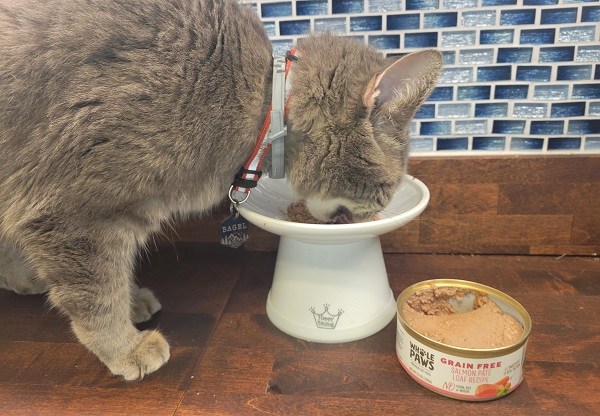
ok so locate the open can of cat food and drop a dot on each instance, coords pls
(462, 339)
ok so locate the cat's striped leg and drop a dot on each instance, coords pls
(89, 274)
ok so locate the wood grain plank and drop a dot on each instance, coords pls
(58, 364)
(586, 229)
(548, 198)
(567, 388)
(592, 250)
(410, 400)
(233, 369)
(46, 400)
(452, 199)
(489, 229)
(514, 169)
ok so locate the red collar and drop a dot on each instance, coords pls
(248, 176)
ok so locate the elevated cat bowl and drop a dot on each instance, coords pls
(330, 282)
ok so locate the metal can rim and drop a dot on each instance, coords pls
(465, 284)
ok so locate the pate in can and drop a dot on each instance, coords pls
(461, 372)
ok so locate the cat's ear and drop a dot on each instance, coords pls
(404, 85)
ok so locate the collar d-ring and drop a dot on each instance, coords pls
(234, 200)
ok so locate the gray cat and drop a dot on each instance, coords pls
(117, 115)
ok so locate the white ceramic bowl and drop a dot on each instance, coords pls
(330, 282)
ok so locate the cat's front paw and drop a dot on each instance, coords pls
(148, 356)
(144, 305)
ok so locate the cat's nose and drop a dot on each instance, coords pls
(342, 215)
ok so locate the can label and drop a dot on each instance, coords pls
(459, 377)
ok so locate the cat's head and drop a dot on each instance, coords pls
(349, 115)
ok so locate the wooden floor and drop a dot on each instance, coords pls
(227, 358)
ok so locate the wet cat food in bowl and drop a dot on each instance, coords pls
(462, 339)
(298, 212)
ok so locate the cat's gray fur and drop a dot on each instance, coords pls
(116, 115)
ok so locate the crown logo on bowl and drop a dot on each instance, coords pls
(325, 319)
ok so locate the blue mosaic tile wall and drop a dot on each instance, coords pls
(520, 75)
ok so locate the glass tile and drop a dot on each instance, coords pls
(276, 9)
(421, 144)
(494, 73)
(573, 72)
(490, 37)
(588, 54)
(385, 41)
(454, 110)
(456, 75)
(539, 2)
(511, 92)
(270, 28)
(462, 38)
(533, 73)
(517, 17)
(478, 18)
(457, 143)
(403, 21)
(426, 111)
(586, 91)
(474, 93)
(294, 27)
(495, 109)
(594, 109)
(564, 143)
(537, 36)
(335, 25)
(551, 92)
(435, 20)
(450, 57)
(476, 56)
(489, 143)
(526, 144)
(592, 143)
(508, 127)
(533, 110)
(365, 23)
(347, 6)
(384, 5)
(421, 40)
(576, 34)
(514, 55)
(422, 4)
(442, 94)
(280, 47)
(547, 127)
(435, 128)
(311, 7)
(470, 127)
(558, 16)
(557, 54)
(498, 2)
(564, 110)
(590, 14)
(459, 4)
(584, 126)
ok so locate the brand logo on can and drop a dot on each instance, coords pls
(422, 356)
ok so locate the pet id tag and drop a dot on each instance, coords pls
(234, 230)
